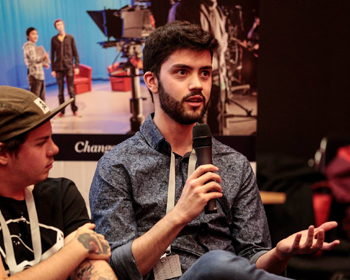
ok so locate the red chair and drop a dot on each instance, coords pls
(118, 84)
(83, 81)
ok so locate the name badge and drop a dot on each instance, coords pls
(167, 268)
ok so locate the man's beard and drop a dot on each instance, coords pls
(176, 109)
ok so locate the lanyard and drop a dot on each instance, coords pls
(171, 185)
(35, 234)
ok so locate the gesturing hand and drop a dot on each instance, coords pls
(45, 56)
(306, 241)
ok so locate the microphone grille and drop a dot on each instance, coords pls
(201, 135)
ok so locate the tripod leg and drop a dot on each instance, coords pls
(137, 117)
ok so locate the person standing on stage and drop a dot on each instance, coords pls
(35, 63)
(65, 63)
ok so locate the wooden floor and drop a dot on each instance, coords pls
(103, 111)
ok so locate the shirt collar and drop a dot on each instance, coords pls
(153, 136)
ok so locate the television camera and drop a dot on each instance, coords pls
(127, 30)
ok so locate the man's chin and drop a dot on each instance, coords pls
(190, 120)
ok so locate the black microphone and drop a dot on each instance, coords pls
(202, 145)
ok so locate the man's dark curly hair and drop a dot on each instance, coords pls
(171, 37)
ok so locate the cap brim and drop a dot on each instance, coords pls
(59, 108)
(54, 112)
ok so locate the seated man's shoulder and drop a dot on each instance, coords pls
(53, 186)
(224, 150)
(128, 147)
(227, 158)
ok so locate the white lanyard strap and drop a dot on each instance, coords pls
(10, 254)
(191, 163)
(34, 224)
(35, 233)
(171, 185)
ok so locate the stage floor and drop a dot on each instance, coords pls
(103, 111)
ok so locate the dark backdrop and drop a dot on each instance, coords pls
(303, 75)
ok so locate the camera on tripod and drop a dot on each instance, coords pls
(130, 23)
(129, 27)
(126, 28)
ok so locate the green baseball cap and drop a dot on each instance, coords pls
(22, 111)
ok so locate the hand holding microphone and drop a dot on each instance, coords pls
(202, 144)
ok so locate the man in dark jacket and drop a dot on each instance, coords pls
(63, 52)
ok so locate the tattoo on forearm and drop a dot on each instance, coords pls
(93, 243)
(85, 271)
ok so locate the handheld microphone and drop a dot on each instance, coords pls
(202, 145)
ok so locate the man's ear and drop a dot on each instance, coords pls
(151, 82)
(3, 155)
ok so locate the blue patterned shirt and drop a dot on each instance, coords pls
(128, 196)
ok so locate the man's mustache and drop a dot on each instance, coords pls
(194, 93)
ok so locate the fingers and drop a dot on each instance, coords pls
(204, 174)
(89, 226)
(105, 249)
(330, 246)
(99, 248)
(201, 186)
(203, 169)
(95, 244)
(310, 238)
(308, 241)
(328, 226)
(212, 186)
(314, 240)
(100, 235)
(318, 234)
(100, 257)
(319, 241)
(296, 242)
(205, 184)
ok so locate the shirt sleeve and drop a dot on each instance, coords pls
(74, 208)
(52, 54)
(75, 54)
(112, 208)
(251, 235)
